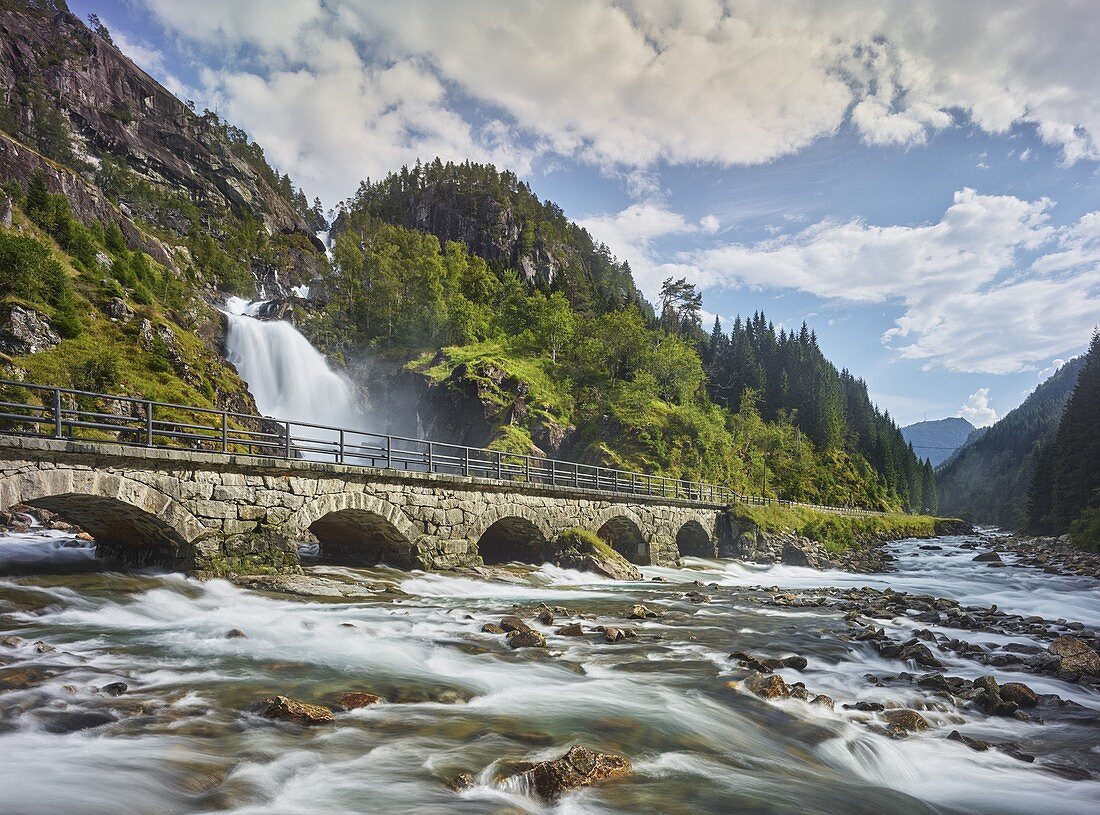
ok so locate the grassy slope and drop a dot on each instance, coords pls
(840, 532)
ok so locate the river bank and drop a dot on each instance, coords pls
(702, 732)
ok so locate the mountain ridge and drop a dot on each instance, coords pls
(936, 439)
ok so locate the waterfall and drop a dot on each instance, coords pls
(287, 376)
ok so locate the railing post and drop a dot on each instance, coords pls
(286, 441)
(498, 465)
(57, 413)
(431, 462)
(466, 461)
(340, 451)
(553, 473)
(148, 423)
(597, 477)
(225, 431)
(389, 452)
(527, 469)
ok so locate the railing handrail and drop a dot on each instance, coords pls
(347, 448)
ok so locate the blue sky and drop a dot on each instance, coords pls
(917, 181)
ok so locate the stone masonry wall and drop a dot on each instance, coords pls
(209, 512)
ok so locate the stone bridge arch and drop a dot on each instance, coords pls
(132, 521)
(695, 539)
(626, 533)
(358, 529)
(512, 531)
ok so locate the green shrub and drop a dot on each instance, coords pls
(98, 372)
(1085, 531)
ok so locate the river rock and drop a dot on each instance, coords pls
(512, 623)
(974, 744)
(353, 700)
(767, 686)
(461, 782)
(823, 700)
(580, 767)
(640, 612)
(796, 662)
(1020, 694)
(987, 557)
(908, 721)
(1076, 656)
(618, 634)
(61, 722)
(545, 616)
(115, 688)
(526, 639)
(571, 630)
(492, 628)
(235, 634)
(292, 710)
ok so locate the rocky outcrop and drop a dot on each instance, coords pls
(1076, 656)
(580, 767)
(24, 330)
(116, 109)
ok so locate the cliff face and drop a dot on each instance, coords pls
(51, 63)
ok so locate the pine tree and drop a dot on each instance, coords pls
(1076, 449)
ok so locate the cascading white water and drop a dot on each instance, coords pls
(286, 375)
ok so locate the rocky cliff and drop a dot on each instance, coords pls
(68, 91)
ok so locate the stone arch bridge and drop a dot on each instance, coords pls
(212, 513)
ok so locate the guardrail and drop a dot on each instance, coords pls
(66, 413)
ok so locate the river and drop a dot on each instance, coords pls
(181, 739)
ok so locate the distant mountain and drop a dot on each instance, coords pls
(987, 479)
(938, 439)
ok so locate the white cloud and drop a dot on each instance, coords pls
(970, 302)
(977, 409)
(633, 84)
(1050, 370)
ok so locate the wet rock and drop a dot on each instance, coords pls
(696, 597)
(796, 662)
(545, 616)
(43, 647)
(461, 782)
(353, 700)
(1076, 656)
(866, 707)
(115, 688)
(571, 630)
(823, 700)
(905, 720)
(639, 612)
(1019, 694)
(526, 639)
(492, 628)
(23, 678)
(61, 722)
(618, 634)
(580, 767)
(11, 642)
(987, 557)
(235, 633)
(512, 623)
(755, 663)
(284, 709)
(974, 744)
(767, 686)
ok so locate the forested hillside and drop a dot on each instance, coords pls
(1065, 487)
(987, 480)
(454, 295)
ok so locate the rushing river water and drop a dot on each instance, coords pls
(180, 738)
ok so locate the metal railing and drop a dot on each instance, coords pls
(66, 413)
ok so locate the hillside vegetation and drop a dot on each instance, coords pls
(1065, 487)
(987, 480)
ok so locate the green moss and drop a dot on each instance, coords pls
(839, 532)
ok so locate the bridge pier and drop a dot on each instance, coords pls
(209, 513)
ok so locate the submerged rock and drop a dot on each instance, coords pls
(284, 709)
(580, 767)
(115, 688)
(461, 782)
(353, 700)
(235, 634)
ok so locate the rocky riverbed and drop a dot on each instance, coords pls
(946, 685)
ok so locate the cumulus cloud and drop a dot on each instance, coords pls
(977, 409)
(632, 84)
(970, 300)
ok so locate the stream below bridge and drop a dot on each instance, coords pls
(179, 736)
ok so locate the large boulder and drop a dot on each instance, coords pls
(25, 331)
(584, 551)
(1076, 656)
(580, 767)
